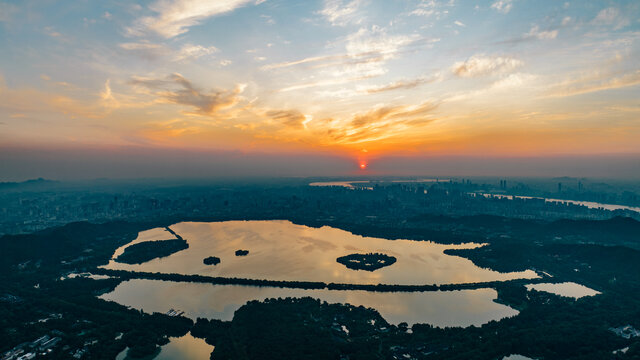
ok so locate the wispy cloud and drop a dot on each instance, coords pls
(145, 50)
(611, 16)
(312, 59)
(401, 84)
(192, 52)
(594, 82)
(432, 8)
(290, 118)
(337, 81)
(480, 65)
(340, 12)
(367, 45)
(175, 89)
(535, 32)
(175, 17)
(152, 51)
(503, 6)
(383, 122)
(366, 53)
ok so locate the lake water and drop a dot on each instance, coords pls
(568, 289)
(281, 250)
(185, 348)
(439, 308)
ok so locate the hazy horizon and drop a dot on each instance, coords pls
(139, 162)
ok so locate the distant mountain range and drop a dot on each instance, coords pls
(28, 184)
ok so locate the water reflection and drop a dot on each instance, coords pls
(440, 308)
(280, 250)
(516, 357)
(185, 348)
(568, 289)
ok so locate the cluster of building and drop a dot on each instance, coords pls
(29, 350)
(626, 331)
(173, 312)
(23, 212)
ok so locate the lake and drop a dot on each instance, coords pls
(281, 250)
(567, 289)
(185, 348)
(438, 308)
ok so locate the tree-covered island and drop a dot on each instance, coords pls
(368, 262)
(145, 251)
(211, 260)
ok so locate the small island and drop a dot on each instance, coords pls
(148, 250)
(242, 252)
(368, 262)
(211, 260)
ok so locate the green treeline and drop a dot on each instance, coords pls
(145, 251)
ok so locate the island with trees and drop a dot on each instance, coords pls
(211, 260)
(148, 250)
(368, 262)
(242, 252)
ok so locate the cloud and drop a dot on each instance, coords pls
(594, 82)
(479, 65)
(192, 52)
(303, 61)
(175, 89)
(369, 49)
(339, 12)
(459, 23)
(290, 118)
(151, 51)
(541, 35)
(401, 84)
(145, 50)
(329, 82)
(611, 16)
(366, 53)
(432, 8)
(107, 96)
(175, 17)
(502, 6)
(513, 81)
(367, 45)
(382, 122)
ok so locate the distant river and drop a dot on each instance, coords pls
(349, 184)
(589, 204)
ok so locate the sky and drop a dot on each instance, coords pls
(302, 85)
